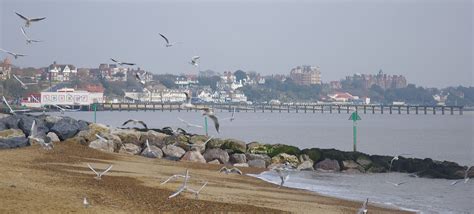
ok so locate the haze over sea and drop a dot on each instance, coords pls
(440, 137)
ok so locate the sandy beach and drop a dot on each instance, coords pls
(35, 180)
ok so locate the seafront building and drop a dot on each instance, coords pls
(306, 75)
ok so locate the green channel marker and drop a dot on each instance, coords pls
(205, 125)
(354, 117)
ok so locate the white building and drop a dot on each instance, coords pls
(68, 96)
(60, 73)
(158, 96)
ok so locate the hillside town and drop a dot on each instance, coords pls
(66, 84)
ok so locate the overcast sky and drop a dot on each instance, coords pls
(430, 42)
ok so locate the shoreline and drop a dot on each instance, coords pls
(65, 168)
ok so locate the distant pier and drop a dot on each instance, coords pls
(301, 108)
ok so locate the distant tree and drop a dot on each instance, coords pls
(166, 79)
(240, 75)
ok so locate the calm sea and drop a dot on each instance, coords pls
(440, 137)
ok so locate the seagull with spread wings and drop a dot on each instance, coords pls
(122, 63)
(210, 113)
(194, 60)
(230, 170)
(135, 122)
(188, 124)
(15, 55)
(23, 85)
(28, 39)
(187, 103)
(28, 21)
(140, 78)
(168, 43)
(395, 158)
(99, 175)
(395, 184)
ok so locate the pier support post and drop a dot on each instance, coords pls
(408, 109)
(338, 109)
(381, 109)
(305, 109)
(434, 109)
(442, 110)
(279, 109)
(425, 109)
(365, 109)
(416, 109)
(461, 110)
(288, 107)
(373, 109)
(296, 108)
(390, 109)
(452, 112)
(347, 107)
(399, 110)
(322, 109)
(330, 109)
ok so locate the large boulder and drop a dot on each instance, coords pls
(257, 163)
(11, 121)
(14, 142)
(266, 159)
(130, 148)
(128, 136)
(106, 146)
(257, 148)
(154, 138)
(53, 136)
(236, 146)
(26, 122)
(198, 142)
(13, 138)
(83, 125)
(283, 158)
(314, 154)
(215, 143)
(352, 166)
(306, 165)
(66, 128)
(50, 120)
(173, 152)
(281, 148)
(86, 136)
(193, 156)
(328, 165)
(364, 161)
(11, 133)
(152, 152)
(238, 158)
(216, 154)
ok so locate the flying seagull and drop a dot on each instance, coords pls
(230, 170)
(168, 43)
(466, 177)
(189, 124)
(173, 177)
(194, 60)
(210, 113)
(29, 20)
(185, 187)
(283, 174)
(86, 203)
(23, 85)
(99, 175)
(135, 122)
(122, 63)
(232, 117)
(15, 55)
(28, 39)
(188, 103)
(140, 78)
(11, 111)
(34, 136)
(394, 159)
(395, 184)
(196, 192)
(363, 209)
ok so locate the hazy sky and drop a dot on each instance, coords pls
(430, 42)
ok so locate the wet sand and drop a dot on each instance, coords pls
(34, 180)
